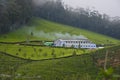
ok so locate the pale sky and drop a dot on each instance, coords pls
(110, 7)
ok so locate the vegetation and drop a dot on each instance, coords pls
(9, 65)
(14, 14)
(24, 30)
(45, 30)
(38, 52)
(84, 67)
(81, 18)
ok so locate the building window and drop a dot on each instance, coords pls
(77, 46)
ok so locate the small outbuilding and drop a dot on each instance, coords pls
(48, 43)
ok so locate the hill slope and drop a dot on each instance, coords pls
(8, 65)
(39, 29)
(83, 67)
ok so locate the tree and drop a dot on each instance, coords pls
(74, 53)
(14, 13)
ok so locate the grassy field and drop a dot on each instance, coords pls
(8, 65)
(39, 29)
(23, 62)
(73, 68)
(83, 67)
(39, 52)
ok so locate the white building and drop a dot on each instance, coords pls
(76, 43)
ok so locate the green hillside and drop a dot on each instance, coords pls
(83, 67)
(39, 52)
(39, 29)
(8, 65)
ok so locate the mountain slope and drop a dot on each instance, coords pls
(83, 67)
(40, 29)
(8, 65)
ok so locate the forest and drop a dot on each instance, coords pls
(15, 13)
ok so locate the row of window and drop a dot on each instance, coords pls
(77, 41)
(87, 46)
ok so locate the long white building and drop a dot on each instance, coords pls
(75, 43)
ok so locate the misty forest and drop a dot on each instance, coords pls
(14, 13)
(49, 40)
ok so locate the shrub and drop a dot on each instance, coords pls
(74, 53)
(17, 53)
(19, 49)
(32, 55)
(45, 54)
(40, 50)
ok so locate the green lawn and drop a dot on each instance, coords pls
(8, 66)
(39, 29)
(83, 67)
(39, 52)
(73, 68)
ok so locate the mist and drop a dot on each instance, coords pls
(41, 2)
(110, 7)
(54, 35)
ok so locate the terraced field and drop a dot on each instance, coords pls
(75, 67)
(83, 67)
(39, 52)
(9, 65)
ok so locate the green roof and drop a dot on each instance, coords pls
(48, 43)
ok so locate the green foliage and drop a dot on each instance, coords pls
(45, 54)
(80, 67)
(14, 14)
(71, 68)
(81, 18)
(46, 30)
(106, 74)
(8, 66)
(74, 53)
(37, 52)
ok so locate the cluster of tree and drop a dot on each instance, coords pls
(13, 14)
(80, 17)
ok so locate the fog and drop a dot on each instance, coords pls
(110, 7)
(54, 35)
(57, 35)
(40, 2)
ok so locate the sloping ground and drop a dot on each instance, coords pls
(83, 67)
(113, 59)
(39, 52)
(39, 29)
(8, 66)
(73, 68)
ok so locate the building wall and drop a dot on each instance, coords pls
(75, 43)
